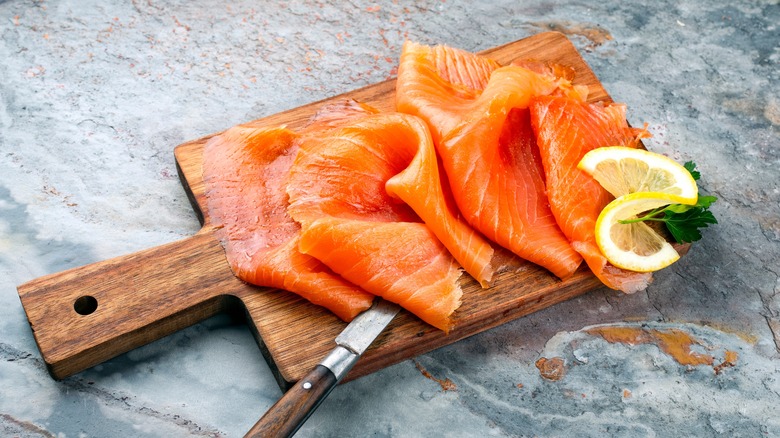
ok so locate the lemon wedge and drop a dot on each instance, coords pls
(621, 170)
(635, 246)
(641, 181)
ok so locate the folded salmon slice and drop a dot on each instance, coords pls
(244, 170)
(566, 130)
(402, 262)
(345, 182)
(478, 115)
(426, 190)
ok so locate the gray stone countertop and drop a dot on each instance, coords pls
(94, 95)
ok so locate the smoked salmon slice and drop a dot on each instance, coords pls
(478, 115)
(566, 130)
(244, 170)
(346, 188)
(402, 262)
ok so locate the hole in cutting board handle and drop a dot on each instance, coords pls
(85, 305)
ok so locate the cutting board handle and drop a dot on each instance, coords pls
(90, 314)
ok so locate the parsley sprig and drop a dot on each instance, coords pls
(683, 221)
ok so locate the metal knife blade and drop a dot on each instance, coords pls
(361, 332)
(293, 409)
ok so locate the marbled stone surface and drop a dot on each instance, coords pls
(95, 95)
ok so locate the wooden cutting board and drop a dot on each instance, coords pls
(86, 315)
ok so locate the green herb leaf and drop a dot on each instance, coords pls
(685, 226)
(705, 201)
(690, 166)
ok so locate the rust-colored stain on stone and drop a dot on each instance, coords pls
(551, 369)
(674, 342)
(446, 384)
(729, 360)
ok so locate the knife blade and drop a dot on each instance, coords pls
(288, 414)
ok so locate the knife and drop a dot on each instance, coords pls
(289, 413)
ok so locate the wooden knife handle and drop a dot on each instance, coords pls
(90, 314)
(291, 411)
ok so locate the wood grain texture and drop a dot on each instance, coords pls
(144, 296)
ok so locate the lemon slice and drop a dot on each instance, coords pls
(621, 170)
(635, 246)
